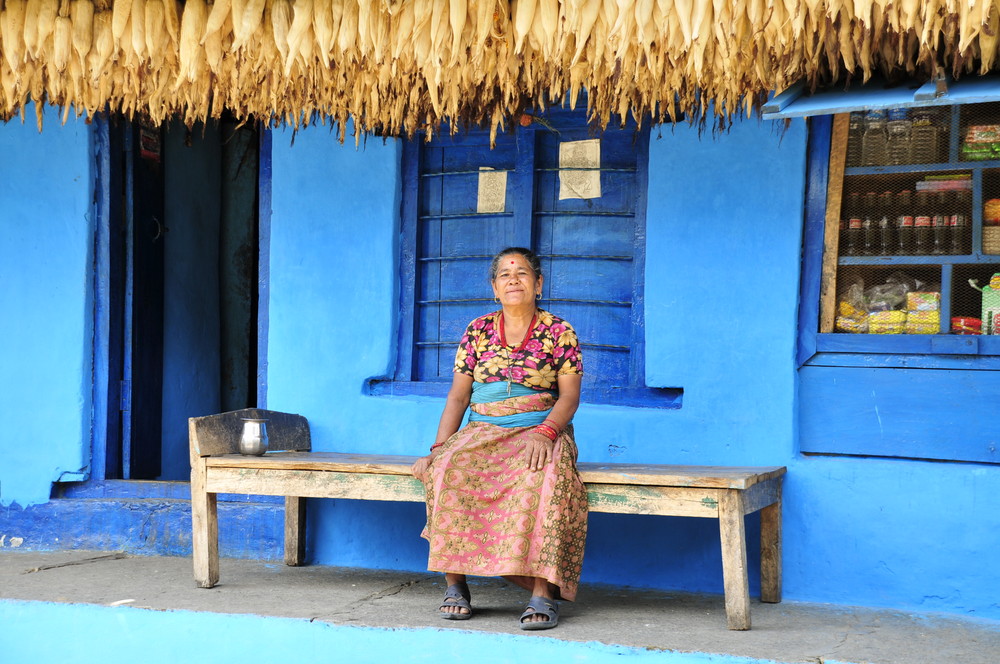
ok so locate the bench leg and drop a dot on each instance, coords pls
(295, 531)
(734, 560)
(770, 551)
(204, 530)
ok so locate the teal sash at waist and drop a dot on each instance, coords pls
(497, 391)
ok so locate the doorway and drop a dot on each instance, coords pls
(183, 288)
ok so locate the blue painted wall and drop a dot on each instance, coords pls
(893, 533)
(723, 261)
(46, 305)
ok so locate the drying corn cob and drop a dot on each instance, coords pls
(403, 66)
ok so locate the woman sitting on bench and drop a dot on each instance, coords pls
(503, 494)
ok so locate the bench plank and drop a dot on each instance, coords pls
(312, 484)
(376, 464)
(716, 477)
(664, 501)
(609, 498)
(761, 495)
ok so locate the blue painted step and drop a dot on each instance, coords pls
(142, 518)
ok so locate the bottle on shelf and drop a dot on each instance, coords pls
(923, 211)
(904, 223)
(850, 241)
(886, 225)
(960, 239)
(873, 141)
(898, 137)
(924, 139)
(939, 223)
(855, 133)
(869, 225)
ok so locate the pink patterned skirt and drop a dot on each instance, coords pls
(489, 515)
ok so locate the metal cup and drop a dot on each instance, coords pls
(253, 442)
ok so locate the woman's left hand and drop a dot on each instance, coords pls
(538, 451)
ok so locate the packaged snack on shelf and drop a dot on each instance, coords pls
(981, 142)
(950, 182)
(980, 151)
(886, 297)
(851, 319)
(852, 325)
(852, 315)
(991, 321)
(991, 212)
(963, 325)
(886, 322)
(991, 305)
(983, 134)
(848, 310)
(991, 240)
(923, 301)
(922, 322)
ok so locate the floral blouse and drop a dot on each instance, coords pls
(551, 350)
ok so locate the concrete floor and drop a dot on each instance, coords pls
(789, 632)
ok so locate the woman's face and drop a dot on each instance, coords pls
(515, 283)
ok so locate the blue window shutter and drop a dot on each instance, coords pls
(591, 249)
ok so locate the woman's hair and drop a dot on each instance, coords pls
(529, 255)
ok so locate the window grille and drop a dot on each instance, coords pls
(913, 214)
(592, 249)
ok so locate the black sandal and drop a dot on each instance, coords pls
(457, 595)
(540, 606)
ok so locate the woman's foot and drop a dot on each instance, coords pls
(541, 613)
(456, 603)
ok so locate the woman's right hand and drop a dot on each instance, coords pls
(419, 467)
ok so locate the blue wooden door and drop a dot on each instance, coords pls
(142, 343)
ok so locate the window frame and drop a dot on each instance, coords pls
(521, 194)
(820, 258)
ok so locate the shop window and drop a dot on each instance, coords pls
(462, 201)
(911, 216)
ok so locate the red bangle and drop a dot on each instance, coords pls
(435, 446)
(552, 423)
(547, 431)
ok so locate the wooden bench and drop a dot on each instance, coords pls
(292, 470)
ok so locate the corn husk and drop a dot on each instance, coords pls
(399, 67)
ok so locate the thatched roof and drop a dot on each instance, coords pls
(400, 66)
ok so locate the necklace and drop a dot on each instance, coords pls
(503, 341)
